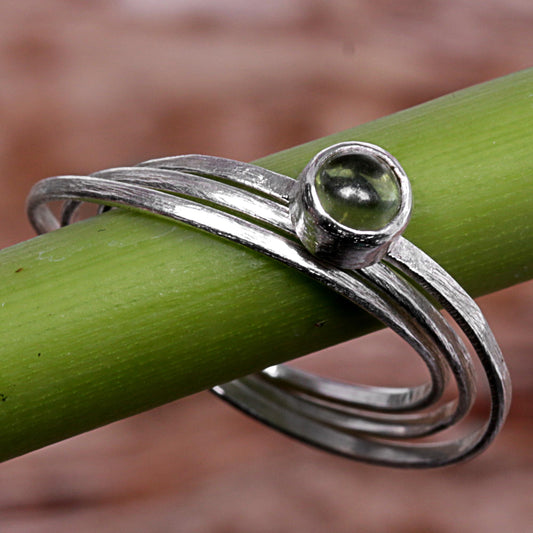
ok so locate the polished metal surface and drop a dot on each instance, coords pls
(374, 424)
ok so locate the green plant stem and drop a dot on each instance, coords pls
(124, 312)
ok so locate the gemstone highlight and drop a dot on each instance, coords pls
(359, 191)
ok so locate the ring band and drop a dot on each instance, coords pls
(340, 223)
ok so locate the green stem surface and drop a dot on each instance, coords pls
(125, 312)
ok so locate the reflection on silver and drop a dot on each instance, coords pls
(293, 223)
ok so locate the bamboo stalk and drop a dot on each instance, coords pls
(124, 312)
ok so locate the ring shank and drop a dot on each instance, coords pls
(356, 421)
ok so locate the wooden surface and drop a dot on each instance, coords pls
(71, 106)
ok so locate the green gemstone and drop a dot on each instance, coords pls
(359, 191)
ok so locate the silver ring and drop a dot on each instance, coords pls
(341, 224)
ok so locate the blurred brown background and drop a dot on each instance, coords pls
(87, 85)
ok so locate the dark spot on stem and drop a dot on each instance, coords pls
(39, 354)
(3, 397)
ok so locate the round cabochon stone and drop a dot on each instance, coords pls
(359, 191)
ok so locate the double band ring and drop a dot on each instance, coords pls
(340, 223)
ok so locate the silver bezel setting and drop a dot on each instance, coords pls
(330, 240)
